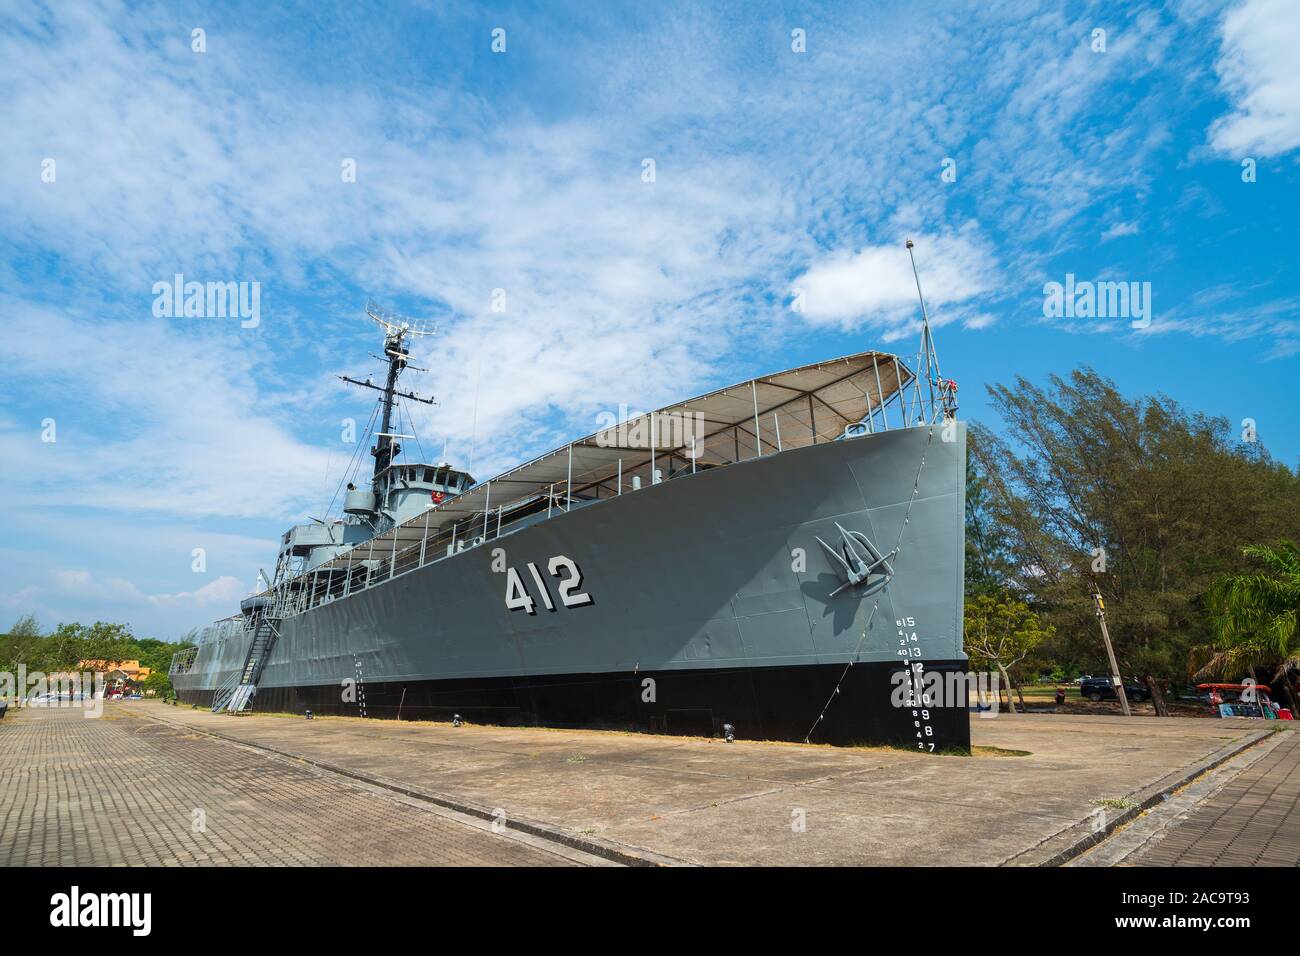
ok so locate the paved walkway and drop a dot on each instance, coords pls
(148, 784)
(1253, 820)
(125, 789)
(756, 803)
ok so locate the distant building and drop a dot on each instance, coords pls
(120, 677)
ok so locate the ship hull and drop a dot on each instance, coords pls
(704, 600)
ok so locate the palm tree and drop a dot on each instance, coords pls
(1255, 616)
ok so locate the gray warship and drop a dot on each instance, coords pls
(764, 561)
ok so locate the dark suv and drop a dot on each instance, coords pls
(1100, 688)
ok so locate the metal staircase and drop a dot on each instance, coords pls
(238, 690)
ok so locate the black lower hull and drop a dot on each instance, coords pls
(761, 703)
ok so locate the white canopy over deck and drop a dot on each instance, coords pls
(790, 409)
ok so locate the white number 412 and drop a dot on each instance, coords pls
(518, 599)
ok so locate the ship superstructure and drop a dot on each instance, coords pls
(398, 490)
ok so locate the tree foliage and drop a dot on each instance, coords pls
(1138, 498)
(1254, 616)
(1002, 632)
(988, 563)
(158, 683)
(67, 644)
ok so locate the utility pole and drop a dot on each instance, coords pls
(1110, 653)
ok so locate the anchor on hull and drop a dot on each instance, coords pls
(858, 561)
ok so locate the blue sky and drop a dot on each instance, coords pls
(522, 170)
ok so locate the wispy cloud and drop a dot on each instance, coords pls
(220, 593)
(1232, 315)
(1119, 229)
(177, 423)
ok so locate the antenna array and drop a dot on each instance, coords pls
(395, 323)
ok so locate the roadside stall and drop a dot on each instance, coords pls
(1242, 700)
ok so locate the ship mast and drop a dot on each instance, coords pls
(942, 394)
(398, 330)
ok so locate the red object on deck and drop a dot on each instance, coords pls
(1284, 713)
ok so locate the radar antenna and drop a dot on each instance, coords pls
(395, 323)
(398, 330)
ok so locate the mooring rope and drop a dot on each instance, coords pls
(898, 549)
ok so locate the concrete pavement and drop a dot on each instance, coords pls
(1032, 789)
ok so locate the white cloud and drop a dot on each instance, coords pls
(875, 285)
(110, 591)
(1119, 229)
(105, 589)
(96, 565)
(222, 593)
(1260, 70)
(86, 585)
(981, 320)
(24, 599)
(179, 425)
(617, 289)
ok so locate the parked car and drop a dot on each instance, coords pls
(1080, 680)
(1100, 688)
(41, 700)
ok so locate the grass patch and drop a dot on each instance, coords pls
(1114, 803)
(901, 749)
(998, 752)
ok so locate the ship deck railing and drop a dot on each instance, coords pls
(183, 661)
(879, 393)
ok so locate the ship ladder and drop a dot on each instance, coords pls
(237, 692)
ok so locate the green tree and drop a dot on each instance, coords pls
(1002, 632)
(158, 683)
(987, 560)
(154, 654)
(1135, 497)
(22, 644)
(71, 643)
(1255, 620)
